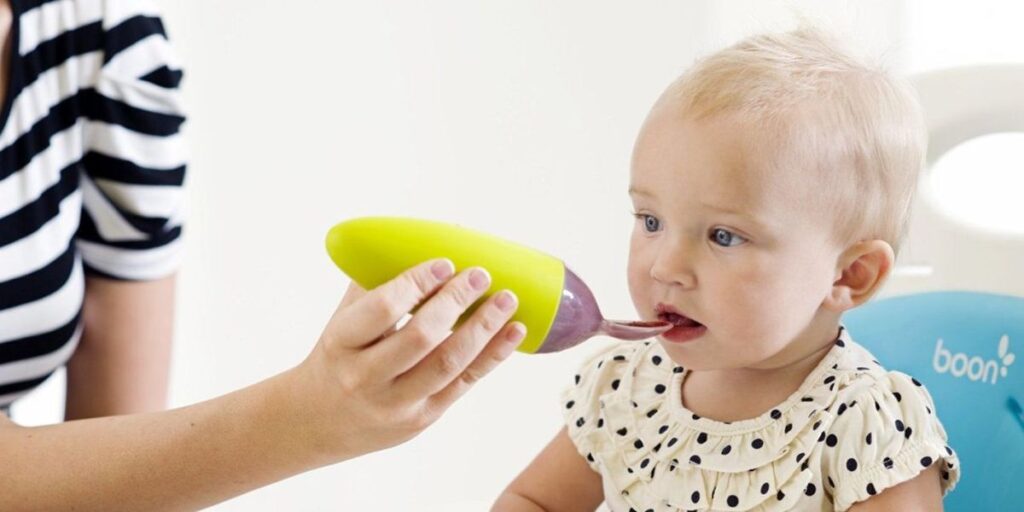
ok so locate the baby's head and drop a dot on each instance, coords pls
(772, 184)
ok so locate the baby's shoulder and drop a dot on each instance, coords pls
(884, 430)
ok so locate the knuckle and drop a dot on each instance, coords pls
(422, 280)
(419, 339)
(463, 293)
(448, 363)
(472, 375)
(384, 306)
(492, 321)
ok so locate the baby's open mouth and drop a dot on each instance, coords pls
(679, 320)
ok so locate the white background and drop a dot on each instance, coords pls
(514, 117)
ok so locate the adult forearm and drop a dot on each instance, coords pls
(183, 459)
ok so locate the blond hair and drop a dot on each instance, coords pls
(859, 127)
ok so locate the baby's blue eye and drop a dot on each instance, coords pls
(651, 223)
(726, 238)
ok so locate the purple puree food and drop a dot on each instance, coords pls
(577, 319)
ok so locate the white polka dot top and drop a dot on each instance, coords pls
(852, 430)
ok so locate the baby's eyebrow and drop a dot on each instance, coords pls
(633, 191)
(739, 213)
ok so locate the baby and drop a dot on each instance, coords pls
(772, 184)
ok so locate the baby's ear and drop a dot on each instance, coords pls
(860, 271)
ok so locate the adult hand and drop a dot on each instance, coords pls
(369, 384)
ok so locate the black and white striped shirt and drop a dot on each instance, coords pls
(91, 168)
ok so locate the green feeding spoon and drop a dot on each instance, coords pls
(558, 309)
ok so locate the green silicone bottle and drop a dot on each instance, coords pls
(558, 309)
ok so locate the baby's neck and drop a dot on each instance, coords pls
(729, 395)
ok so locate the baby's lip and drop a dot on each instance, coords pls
(664, 310)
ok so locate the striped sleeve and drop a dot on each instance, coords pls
(133, 200)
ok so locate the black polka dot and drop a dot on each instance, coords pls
(579, 422)
(803, 467)
(569, 404)
(765, 487)
(727, 449)
(657, 447)
(757, 444)
(622, 431)
(916, 383)
(599, 363)
(899, 425)
(677, 369)
(671, 442)
(789, 426)
(615, 384)
(644, 463)
(800, 457)
(949, 450)
(696, 417)
(651, 413)
(659, 389)
(695, 497)
(600, 422)
(806, 399)
(663, 429)
(887, 462)
(927, 461)
(851, 464)
(810, 490)
(577, 379)
(776, 414)
(842, 409)
(907, 432)
(817, 424)
(831, 440)
(780, 496)
(638, 444)
(695, 459)
(871, 489)
(945, 474)
(899, 397)
(656, 360)
(702, 438)
(830, 482)
(733, 501)
(841, 343)
(868, 438)
(829, 379)
(620, 358)
(822, 436)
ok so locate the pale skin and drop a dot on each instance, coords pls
(735, 243)
(366, 385)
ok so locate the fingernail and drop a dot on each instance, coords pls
(479, 279)
(506, 301)
(442, 269)
(517, 333)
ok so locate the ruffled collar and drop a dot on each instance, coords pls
(664, 452)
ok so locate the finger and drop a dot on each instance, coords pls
(497, 350)
(365, 320)
(454, 356)
(352, 294)
(431, 324)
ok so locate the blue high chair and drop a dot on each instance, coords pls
(953, 314)
(962, 347)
